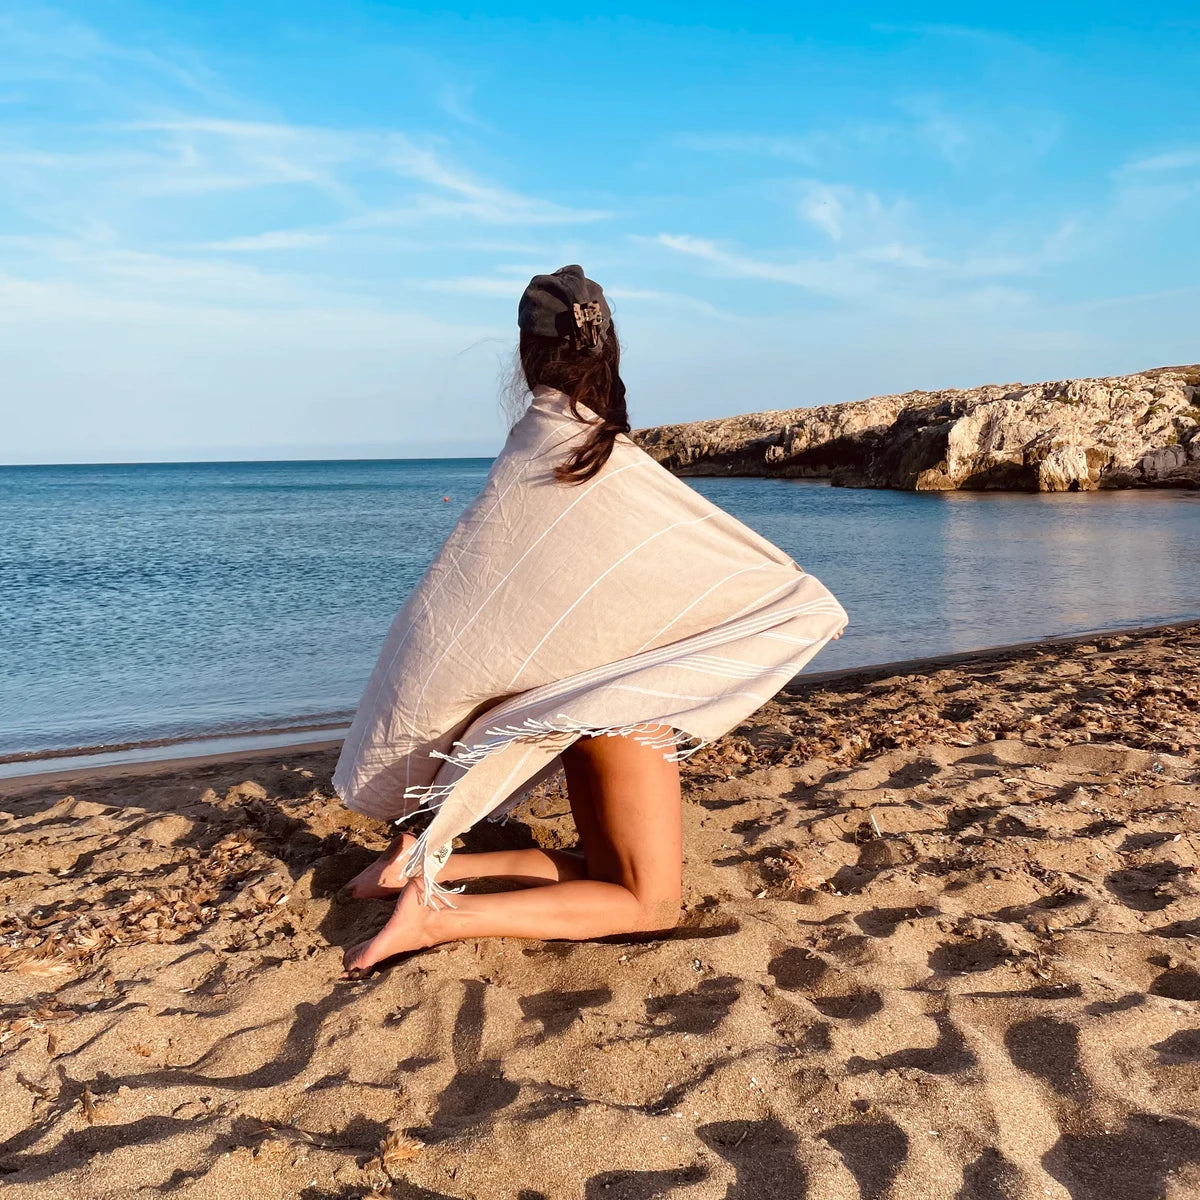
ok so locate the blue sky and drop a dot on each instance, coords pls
(299, 230)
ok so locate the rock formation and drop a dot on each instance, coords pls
(1072, 435)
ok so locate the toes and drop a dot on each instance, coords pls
(403, 933)
(392, 880)
(365, 881)
(392, 874)
(357, 961)
(369, 890)
(364, 956)
(383, 878)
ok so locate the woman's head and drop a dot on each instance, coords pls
(568, 343)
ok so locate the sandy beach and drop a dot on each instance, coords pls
(941, 941)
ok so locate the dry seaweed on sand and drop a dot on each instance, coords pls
(988, 989)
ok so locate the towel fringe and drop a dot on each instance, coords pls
(435, 795)
(413, 864)
(466, 757)
(438, 896)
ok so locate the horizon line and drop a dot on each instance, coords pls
(217, 462)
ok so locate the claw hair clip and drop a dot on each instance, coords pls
(589, 325)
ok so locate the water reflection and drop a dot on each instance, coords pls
(929, 573)
(150, 601)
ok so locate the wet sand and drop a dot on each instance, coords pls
(941, 940)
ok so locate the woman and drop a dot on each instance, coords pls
(591, 611)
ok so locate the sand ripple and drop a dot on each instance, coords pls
(941, 941)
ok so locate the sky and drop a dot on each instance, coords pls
(300, 230)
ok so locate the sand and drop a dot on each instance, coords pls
(941, 940)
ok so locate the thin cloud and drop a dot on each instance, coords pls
(828, 277)
(306, 154)
(454, 99)
(921, 123)
(664, 299)
(279, 239)
(189, 156)
(475, 285)
(847, 214)
(946, 132)
(470, 196)
(986, 39)
(802, 150)
(876, 268)
(44, 44)
(1176, 160)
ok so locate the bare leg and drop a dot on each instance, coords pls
(385, 877)
(626, 802)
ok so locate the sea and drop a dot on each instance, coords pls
(156, 605)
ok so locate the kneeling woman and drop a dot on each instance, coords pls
(588, 611)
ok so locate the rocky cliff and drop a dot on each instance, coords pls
(1072, 435)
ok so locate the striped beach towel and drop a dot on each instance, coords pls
(626, 605)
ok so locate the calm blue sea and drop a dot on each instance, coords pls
(162, 601)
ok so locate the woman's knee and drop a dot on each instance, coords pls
(658, 914)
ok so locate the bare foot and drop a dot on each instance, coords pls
(408, 928)
(384, 877)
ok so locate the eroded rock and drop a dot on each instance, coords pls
(1069, 435)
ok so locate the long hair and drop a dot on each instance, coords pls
(588, 378)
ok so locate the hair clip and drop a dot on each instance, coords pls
(589, 325)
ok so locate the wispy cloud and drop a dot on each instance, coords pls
(153, 215)
(45, 45)
(826, 277)
(672, 300)
(454, 97)
(278, 239)
(862, 238)
(876, 268)
(843, 212)
(185, 155)
(476, 285)
(928, 124)
(510, 286)
(947, 132)
(459, 193)
(360, 182)
(812, 148)
(1175, 160)
(1151, 187)
(170, 278)
(804, 150)
(989, 40)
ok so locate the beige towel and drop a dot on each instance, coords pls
(555, 611)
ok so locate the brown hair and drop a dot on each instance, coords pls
(589, 377)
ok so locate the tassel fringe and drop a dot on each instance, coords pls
(434, 795)
(466, 756)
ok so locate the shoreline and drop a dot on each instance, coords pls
(284, 729)
(139, 759)
(93, 768)
(932, 662)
